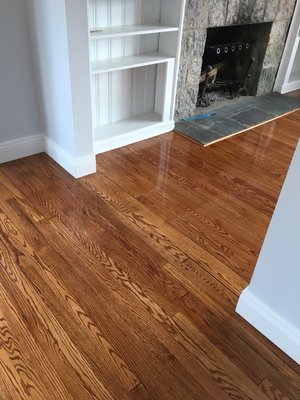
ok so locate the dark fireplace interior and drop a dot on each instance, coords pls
(232, 62)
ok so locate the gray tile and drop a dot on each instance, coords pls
(243, 104)
(253, 117)
(190, 128)
(223, 126)
(293, 103)
(209, 130)
(273, 106)
(197, 132)
(236, 117)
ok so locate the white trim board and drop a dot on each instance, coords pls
(77, 167)
(80, 166)
(270, 324)
(289, 87)
(35, 144)
(19, 148)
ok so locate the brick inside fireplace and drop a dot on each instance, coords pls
(200, 15)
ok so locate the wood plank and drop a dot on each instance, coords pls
(123, 284)
(227, 374)
(63, 300)
(172, 180)
(174, 246)
(125, 252)
(182, 383)
(271, 391)
(139, 393)
(221, 329)
(45, 321)
(42, 360)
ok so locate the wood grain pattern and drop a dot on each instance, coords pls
(123, 284)
(271, 391)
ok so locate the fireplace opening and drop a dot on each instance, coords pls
(232, 62)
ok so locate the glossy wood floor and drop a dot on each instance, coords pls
(123, 285)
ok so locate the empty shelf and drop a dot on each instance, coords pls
(125, 126)
(130, 30)
(121, 63)
(131, 130)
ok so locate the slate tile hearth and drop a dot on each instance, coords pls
(237, 117)
(253, 117)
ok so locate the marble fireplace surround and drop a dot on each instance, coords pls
(203, 14)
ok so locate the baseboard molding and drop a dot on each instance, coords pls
(288, 87)
(19, 148)
(270, 324)
(80, 166)
(77, 167)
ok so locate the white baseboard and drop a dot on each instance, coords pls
(80, 166)
(270, 324)
(35, 144)
(19, 148)
(77, 167)
(288, 87)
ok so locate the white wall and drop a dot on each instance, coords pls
(19, 110)
(272, 300)
(45, 99)
(60, 38)
(49, 37)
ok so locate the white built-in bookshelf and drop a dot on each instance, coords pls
(134, 47)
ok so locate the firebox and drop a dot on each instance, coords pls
(232, 61)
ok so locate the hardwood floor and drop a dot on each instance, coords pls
(123, 284)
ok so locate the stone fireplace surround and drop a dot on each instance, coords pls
(203, 14)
